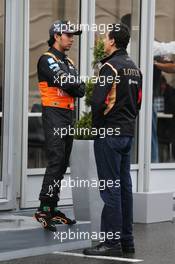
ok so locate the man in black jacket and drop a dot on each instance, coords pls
(115, 105)
(59, 85)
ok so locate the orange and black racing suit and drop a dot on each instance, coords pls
(59, 85)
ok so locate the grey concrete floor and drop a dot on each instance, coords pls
(155, 244)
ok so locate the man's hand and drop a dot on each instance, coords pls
(71, 84)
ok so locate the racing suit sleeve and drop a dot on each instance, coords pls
(56, 77)
(102, 87)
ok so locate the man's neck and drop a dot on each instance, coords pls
(112, 51)
(59, 49)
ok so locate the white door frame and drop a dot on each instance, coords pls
(146, 64)
(6, 184)
(25, 105)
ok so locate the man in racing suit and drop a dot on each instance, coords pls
(59, 85)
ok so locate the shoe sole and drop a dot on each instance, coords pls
(44, 224)
(107, 254)
(60, 220)
(128, 250)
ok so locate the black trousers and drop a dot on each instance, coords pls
(112, 155)
(58, 152)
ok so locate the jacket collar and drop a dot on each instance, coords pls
(58, 53)
(115, 53)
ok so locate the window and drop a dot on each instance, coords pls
(163, 119)
(129, 12)
(42, 14)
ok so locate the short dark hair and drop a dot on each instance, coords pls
(51, 41)
(126, 19)
(120, 33)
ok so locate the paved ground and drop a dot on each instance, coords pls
(155, 244)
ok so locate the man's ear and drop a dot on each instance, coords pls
(56, 37)
(112, 42)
